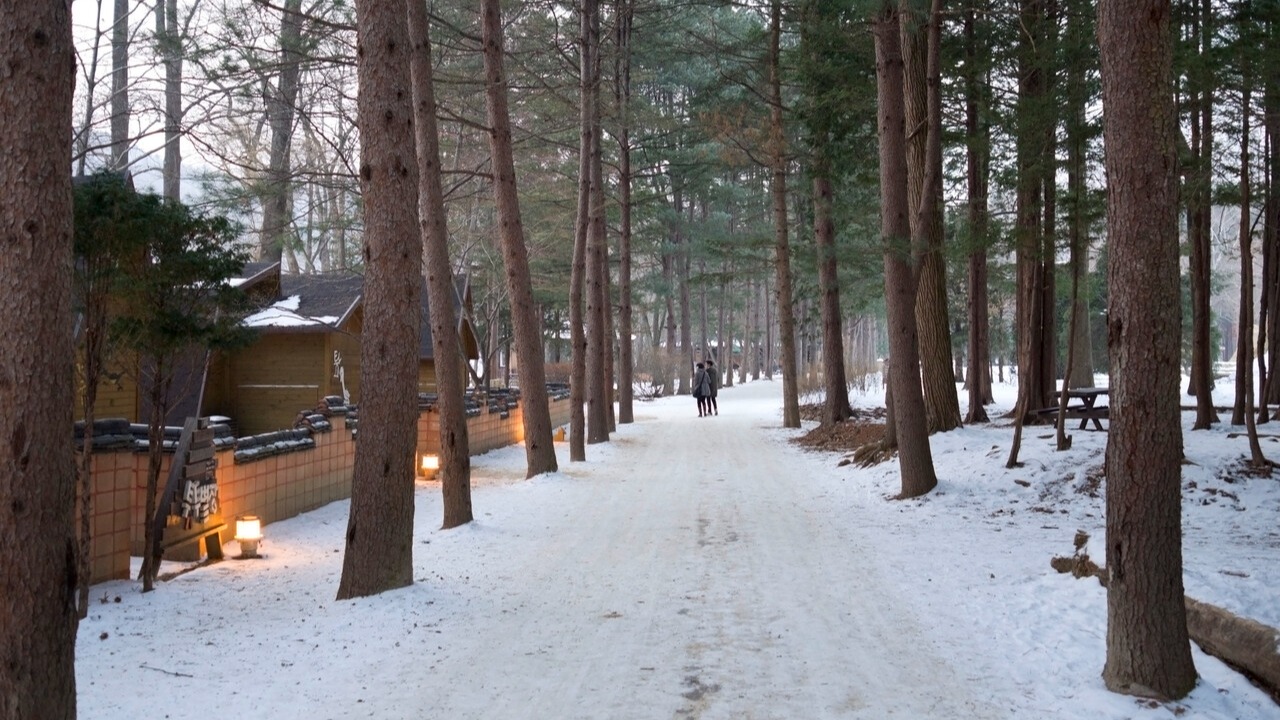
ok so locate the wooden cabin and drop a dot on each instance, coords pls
(121, 394)
(307, 348)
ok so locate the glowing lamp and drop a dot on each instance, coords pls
(430, 464)
(248, 534)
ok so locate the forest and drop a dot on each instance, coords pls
(726, 132)
(818, 190)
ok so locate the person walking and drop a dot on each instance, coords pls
(701, 389)
(713, 381)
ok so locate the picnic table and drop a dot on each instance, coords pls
(1082, 404)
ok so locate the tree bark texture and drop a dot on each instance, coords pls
(379, 547)
(37, 477)
(1148, 652)
(921, 38)
(540, 452)
(915, 458)
(451, 385)
(782, 250)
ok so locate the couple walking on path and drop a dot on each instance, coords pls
(706, 384)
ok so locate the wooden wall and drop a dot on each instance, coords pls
(273, 488)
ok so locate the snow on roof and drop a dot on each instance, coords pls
(285, 314)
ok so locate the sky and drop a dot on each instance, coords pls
(699, 568)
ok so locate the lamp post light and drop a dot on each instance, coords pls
(248, 534)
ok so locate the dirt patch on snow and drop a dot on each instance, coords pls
(866, 426)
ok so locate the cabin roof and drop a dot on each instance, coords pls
(311, 303)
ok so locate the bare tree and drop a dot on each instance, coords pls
(280, 99)
(379, 549)
(119, 86)
(1148, 651)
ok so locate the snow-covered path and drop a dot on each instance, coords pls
(696, 575)
(692, 568)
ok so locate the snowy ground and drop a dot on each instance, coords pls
(697, 568)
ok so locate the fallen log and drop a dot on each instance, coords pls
(1252, 647)
(1244, 644)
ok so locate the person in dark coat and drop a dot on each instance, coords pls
(701, 389)
(713, 378)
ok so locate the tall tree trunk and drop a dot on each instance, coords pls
(1046, 48)
(379, 548)
(835, 406)
(540, 452)
(578, 273)
(753, 294)
(37, 481)
(770, 321)
(1269, 295)
(598, 344)
(120, 86)
(158, 398)
(609, 340)
(171, 50)
(622, 90)
(1199, 217)
(455, 443)
(977, 163)
(1035, 381)
(782, 250)
(610, 358)
(686, 317)
(1244, 347)
(1148, 651)
(1080, 342)
(921, 35)
(277, 203)
(915, 458)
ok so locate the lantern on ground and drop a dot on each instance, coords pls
(248, 534)
(428, 465)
